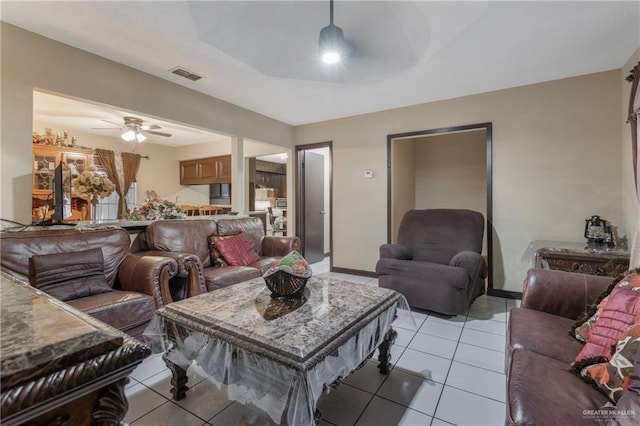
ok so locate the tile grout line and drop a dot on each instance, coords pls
(449, 370)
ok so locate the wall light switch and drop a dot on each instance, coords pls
(368, 174)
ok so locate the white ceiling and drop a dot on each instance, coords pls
(70, 114)
(262, 55)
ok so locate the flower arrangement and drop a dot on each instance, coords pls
(157, 208)
(91, 183)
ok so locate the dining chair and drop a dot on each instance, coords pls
(208, 209)
(191, 210)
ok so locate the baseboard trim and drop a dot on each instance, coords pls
(505, 293)
(354, 272)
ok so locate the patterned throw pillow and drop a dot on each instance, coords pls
(582, 329)
(612, 378)
(618, 314)
(217, 261)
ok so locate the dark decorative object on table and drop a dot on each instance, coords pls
(288, 276)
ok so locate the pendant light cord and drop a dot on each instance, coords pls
(331, 12)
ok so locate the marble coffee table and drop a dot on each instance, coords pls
(277, 354)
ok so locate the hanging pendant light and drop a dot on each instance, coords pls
(333, 46)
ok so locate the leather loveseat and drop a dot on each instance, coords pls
(187, 242)
(540, 388)
(129, 292)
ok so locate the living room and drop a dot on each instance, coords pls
(561, 146)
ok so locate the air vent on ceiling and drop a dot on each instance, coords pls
(182, 72)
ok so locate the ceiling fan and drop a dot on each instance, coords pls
(133, 129)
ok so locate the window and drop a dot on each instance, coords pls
(107, 208)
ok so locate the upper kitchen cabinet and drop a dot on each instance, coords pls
(206, 170)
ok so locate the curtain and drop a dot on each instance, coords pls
(108, 160)
(633, 119)
(130, 165)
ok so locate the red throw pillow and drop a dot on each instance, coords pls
(618, 314)
(236, 250)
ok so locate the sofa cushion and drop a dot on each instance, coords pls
(542, 392)
(124, 310)
(542, 333)
(69, 275)
(18, 247)
(216, 278)
(236, 250)
(618, 314)
(182, 236)
(612, 378)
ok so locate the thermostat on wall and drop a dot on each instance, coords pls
(368, 174)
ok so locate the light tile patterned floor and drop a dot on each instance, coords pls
(447, 371)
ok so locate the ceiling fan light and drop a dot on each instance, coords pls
(128, 136)
(331, 57)
(140, 137)
(333, 46)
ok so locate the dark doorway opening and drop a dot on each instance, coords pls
(314, 200)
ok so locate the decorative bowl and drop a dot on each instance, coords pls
(286, 284)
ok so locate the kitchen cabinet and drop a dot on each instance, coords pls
(271, 175)
(205, 171)
(45, 159)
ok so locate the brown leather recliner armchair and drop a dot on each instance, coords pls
(436, 263)
(134, 284)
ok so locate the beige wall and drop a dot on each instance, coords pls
(30, 62)
(555, 162)
(629, 199)
(403, 181)
(451, 172)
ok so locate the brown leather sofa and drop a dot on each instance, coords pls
(540, 388)
(186, 242)
(135, 283)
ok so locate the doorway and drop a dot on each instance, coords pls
(314, 201)
(445, 168)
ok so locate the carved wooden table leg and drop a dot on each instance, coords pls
(385, 351)
(112, 405)
(179, 379)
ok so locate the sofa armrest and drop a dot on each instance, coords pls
(395, 251)
(189, 267)
(471, 262)
(565, 294)
(279, 246)
(147, 274)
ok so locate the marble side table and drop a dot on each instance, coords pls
(58, 365)
(277, 354)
